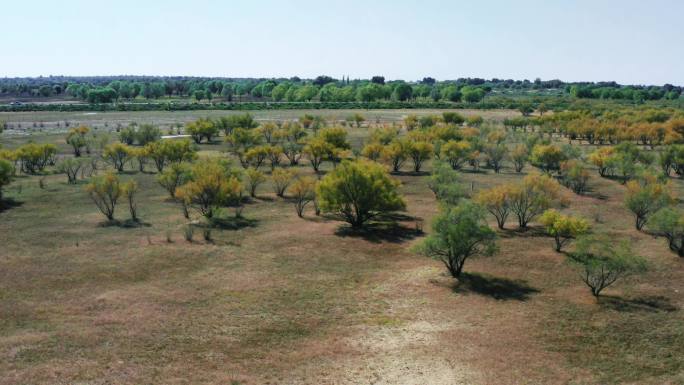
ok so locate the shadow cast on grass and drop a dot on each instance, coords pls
(379, 232)
(233, 223)
(648, 304)
(594, 193)
(497, 288)
(9, 203)
(517, 232)
(126, 224)
(410, 173)
(475, 171)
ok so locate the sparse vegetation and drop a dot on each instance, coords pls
(284, 282)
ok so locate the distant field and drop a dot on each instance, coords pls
(51, 120)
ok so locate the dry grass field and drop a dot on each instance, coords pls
(31, 122)
(278, 299)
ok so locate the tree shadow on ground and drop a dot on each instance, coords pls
(472, 171)
(126, 224)
(9, 203)
(314, 218)
(378, 232)
(648, 304)
(497, 288)
(516, 232)
(592, 192)
(410, 173)
(258, 198)
(233, 223)
(130, 223)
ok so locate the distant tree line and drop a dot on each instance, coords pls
(615, 91)
(323, 88)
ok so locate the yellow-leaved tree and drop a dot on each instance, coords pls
(105, 192)
(496, 201)
(533, 196)
(212, 185)
(563, 227)
(645, 196)
(358, 191)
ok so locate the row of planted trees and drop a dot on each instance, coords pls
(651, 127)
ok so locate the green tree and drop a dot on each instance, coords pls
(241, 140)
(147, 133)
(402, 92)
(603, 262)
(526, 109)
(459, 233)
(574, 176)
(174, 176)
(547, 157)
(669, 223)
(127, 135)
(359, 191)
(453, 118)
(170, 151)
(6, 173)
(496, 153)
(70, 167)
(202, 128)
(472, 95)
(646, 196)
(446, 184)
(231, 122)
(199, 95)
(450, 93)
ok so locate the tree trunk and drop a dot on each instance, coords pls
(559, 244)
(640, 222)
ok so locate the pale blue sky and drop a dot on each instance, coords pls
(627, 41)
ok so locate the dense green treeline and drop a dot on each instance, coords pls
(324, 89)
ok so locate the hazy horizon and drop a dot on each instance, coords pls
(624, 41)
